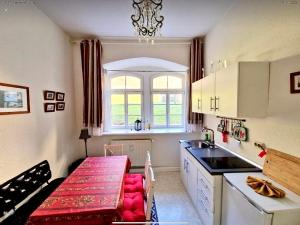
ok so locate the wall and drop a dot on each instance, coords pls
(165, 148)
(263, 31)
(34, 52)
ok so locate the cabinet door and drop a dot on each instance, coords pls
(192, 181)
(227, 91)
(183, 166)
(208, 94)
(196, 96)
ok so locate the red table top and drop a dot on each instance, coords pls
(92, 194)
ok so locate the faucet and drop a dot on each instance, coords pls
(212, 140)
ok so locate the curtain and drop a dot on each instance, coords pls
(92, 73)
(196, 73)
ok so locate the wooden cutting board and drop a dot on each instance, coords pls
(284, 169)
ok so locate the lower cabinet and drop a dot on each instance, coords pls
(203, 188)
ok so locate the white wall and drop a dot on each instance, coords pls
(165, 146)
(34, 52)
(264, 31)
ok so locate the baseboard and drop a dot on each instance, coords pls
(156, 169)
(166, 169)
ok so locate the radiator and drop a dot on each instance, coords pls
(135, 149)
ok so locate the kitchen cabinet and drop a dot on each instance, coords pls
(240, 90)
(208, 94)
(197, 96)
(203, 188)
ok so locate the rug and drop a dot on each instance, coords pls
(154, 216)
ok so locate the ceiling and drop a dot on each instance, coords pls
(111, 18)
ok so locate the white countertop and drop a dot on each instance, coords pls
(290, 202)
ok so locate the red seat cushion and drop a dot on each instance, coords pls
(133, 208)
(133, 183)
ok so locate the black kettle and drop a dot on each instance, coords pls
(138, 125)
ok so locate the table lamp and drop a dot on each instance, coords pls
(84, 135)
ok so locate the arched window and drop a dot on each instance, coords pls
(167, 101)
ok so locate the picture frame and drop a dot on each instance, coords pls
(14, 99)
(60, 96)
(60, 106)
(295, 82)
(49, 95)
(49, 107)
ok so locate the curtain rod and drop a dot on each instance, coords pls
(136, 43)
(150, 71)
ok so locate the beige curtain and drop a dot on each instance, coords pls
(196, 65)
(92, 73)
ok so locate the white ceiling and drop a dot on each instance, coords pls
(111, 18)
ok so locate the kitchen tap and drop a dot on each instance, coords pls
(212, 139)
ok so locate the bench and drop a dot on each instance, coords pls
(16, 190)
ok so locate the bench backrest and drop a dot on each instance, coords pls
(15, 190)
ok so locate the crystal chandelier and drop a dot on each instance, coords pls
(147, 20)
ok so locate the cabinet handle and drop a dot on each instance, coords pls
(217, 99)
(211, 103)
(184, 164)
(187, 166)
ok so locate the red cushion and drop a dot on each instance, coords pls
(133, 183)
(133, 208)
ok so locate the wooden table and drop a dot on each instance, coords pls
(91, 195)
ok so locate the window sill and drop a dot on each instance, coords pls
(143, 132)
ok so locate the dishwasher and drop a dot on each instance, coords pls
(242, 206)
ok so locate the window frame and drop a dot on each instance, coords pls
(125, 92)
(146, 91)
(168, 92)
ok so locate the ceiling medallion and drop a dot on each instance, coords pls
(147, 20)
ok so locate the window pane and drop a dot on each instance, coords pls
(117, 99)
(118, 120)
(176, 109)
(118, 82)
(160, 82)
(175, 98)
(117, 110)
(134, 110)
(134, 98)
(159, 120)
(132, 119)
(159, 110)
(133, 82)
(175, 120)
(174, 82)
(159, 99)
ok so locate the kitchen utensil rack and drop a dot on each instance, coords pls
(231, 118)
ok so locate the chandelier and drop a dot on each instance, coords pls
(147, 20)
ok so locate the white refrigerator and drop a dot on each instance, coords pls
(242, 206)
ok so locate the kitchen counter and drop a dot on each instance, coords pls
(217, 157)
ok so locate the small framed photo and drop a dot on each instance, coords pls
(49, 107)
(49, 95)
(60, 96)
(295, 82)
(60, 106)
(14, 99)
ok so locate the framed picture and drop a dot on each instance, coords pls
(60, 106)
(14, 99)
(60, 96)
(49, 107)
(295, 82)
(49, 95)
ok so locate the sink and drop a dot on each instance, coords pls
(199, 144)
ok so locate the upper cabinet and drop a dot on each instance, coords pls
(240, 90)
(197, 96)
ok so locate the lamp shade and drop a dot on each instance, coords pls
(84, 134)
